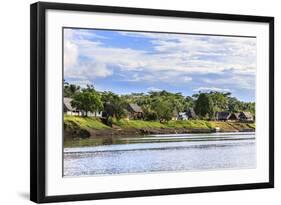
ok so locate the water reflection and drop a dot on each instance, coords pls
(161, 153)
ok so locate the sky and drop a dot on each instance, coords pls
(133, 62)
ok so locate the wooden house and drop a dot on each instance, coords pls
(246, 116)
(135, 111)
(222, 116)
(227, 116)
(233, 117)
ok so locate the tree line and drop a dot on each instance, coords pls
(156, 105)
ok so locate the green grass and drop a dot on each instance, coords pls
(138, 124)
(239, 125)
(195, 124)
(85, 122)
(93, 123)
(224, 126)
(252, 125)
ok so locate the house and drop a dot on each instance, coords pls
(182, 116)
(234, 117)
(95, 114)
(134, 111)
(246, 116)
(227, 116)
(223, 116)
(191, 113)
(68, 109)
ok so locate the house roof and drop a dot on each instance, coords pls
(67, 104)
(223, 115)
(247, 114)
(236, 115)
(135, 107)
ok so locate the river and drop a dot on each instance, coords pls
(157, 153)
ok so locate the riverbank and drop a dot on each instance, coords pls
(86, 127)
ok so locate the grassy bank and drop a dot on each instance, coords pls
(95, 127)
(139, 124)
(85, 122)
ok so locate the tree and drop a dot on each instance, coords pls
(189, 102)
(204, 106)
(163, 109)
(70, 89)
(114, 105)
(220, 100)
(87, 101)
(234, 105)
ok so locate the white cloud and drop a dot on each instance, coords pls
(154, 89)
(236, 81)
(88, 71)
(70, 54)
(174, 59)
(211, 89)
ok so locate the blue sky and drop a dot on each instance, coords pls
(126, 62)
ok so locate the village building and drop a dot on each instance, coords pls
(187, 115)
(234, 117)
(68, 109)
(222, 116)
(135, 111)
(246, 116)
(182, 116)
(227, 116)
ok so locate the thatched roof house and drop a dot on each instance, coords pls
(223, 116)
(246, 116)
(135, 111)
(134, 108)
(67, 105)
(234, 116)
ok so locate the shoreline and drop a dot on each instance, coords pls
(93, 141)
(87, 127)
(92, 133)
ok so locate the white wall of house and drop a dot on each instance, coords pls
(95, 114)
(90, 114)
(72, 113)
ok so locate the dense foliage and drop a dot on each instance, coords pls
(156, 105)
(87, 100)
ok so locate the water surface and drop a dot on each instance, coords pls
(178, 152)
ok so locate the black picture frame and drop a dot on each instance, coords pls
(38, 100)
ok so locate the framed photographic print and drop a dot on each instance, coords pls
(129, 102)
